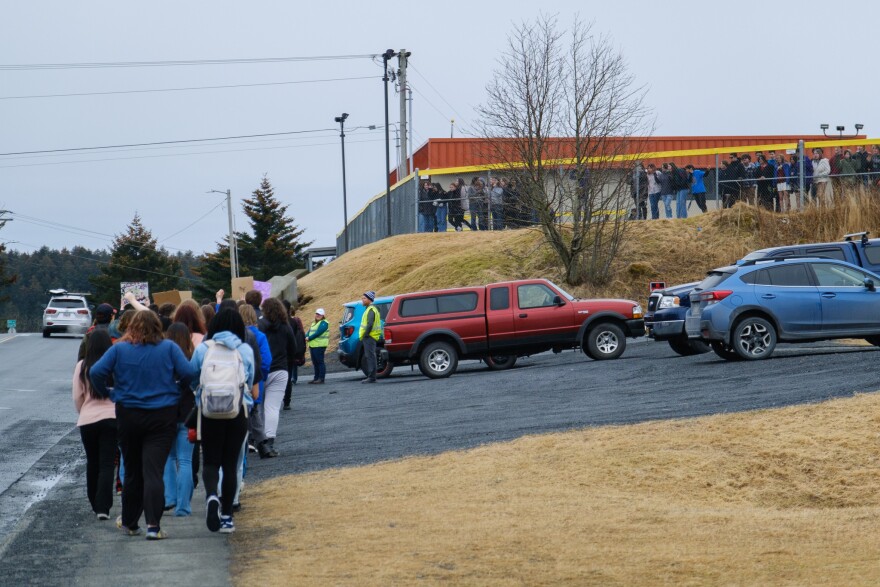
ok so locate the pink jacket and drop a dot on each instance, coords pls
(90, 410)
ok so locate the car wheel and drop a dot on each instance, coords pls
(754, 338)
(605, 341)
(383, 366)
(724, 351)
(874, 340)
(686, 347)
(500, 362)
(438, 359)
(46, 334)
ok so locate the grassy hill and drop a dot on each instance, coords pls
(675, 251)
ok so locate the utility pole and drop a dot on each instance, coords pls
(402, 169)
(233, 247)
(452, 128)
(341, 120)
(385, 58)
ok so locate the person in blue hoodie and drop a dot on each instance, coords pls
(222, 439)
(146, 369)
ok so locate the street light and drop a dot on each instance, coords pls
(341, 121)
(386, 56)
(824, 127)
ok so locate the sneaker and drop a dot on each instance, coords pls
(251, 448)
(168, 508)
(212, 516)
(156, 534)
(127, 531)
(236, 507)
(313, 381)
(227, 526)
(368, 380)
(103, 516)
(286, 407)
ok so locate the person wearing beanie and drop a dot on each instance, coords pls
(318, 338)
(369, 333)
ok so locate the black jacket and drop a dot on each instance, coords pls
(282, 344)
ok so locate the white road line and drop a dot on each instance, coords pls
(8, 339)
(5, 408)
(26, 390)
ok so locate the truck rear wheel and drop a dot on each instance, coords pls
(605, 341)
(438, 359)
(500, 362)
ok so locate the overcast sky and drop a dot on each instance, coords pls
(712, 68)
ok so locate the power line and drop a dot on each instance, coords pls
(178, 63)
(194, 88)
(436, 91)
(183, 154)
(193, 223)
(425, 98)
(72, 149)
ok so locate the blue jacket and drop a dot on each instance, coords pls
(697, 186)
(145, 376)
(231, 341)
(265, 359)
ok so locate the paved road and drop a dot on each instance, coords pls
(344, 423)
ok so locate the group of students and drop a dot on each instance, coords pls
(164, 386)
(490, 204)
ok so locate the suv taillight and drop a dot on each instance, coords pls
(82, 311)
(51, 310)
(711, 297)
(348, 331)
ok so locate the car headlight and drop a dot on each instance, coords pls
(637, 311)
(669, 302)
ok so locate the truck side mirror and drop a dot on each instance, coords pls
(869, 284)
(557, 300)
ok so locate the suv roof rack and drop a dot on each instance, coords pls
(863, 237)
(778, 259)
(64, 292)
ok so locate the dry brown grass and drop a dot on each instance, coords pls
(676, 251)
(777, 497)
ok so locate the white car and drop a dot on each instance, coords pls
(66, 312)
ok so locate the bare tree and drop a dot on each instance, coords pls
(565, 122)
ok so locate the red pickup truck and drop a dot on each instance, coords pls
(503, 321)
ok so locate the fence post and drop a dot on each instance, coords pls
(638, 177)
(718, 204)
(489, 208)
(800, 150)
(415, 182)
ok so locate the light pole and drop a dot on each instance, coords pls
(341, 121)
(233, 248)
(386, 56)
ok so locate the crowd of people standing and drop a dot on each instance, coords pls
(492, 204)
(164, 391)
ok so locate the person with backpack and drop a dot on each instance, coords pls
(147, 372)
(224, 369)
(97, 427)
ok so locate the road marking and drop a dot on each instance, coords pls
(26, 390)
(5, 408)
(8, 339)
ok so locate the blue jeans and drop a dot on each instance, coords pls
(654, 199)
(178, 476)
(681, 204)
(440, 218)
(317, 354)
(667, 204)
(426, 222)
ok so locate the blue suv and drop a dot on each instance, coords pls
(350, 350)
(743, 311)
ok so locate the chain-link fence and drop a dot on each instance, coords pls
(371, 223)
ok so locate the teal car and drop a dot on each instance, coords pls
(350, 351)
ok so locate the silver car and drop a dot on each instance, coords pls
(66, 312)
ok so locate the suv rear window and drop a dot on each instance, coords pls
(66, 303)
(713, 279)
(461, 302)
(347, 313)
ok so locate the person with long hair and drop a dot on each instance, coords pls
(189, 314)
(178, 478)
(299, 359)
(208, 312)
(147, 372)
(97, 427)
(282, 345)
(222, 439)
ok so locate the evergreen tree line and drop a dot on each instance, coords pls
(272, 246)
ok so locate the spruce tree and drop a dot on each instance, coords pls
(134, 257)
(4, 280)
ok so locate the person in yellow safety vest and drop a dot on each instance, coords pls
(318, 337)
(370, 331)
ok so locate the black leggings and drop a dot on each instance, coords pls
(221, 443)
(99, 442)
(145, 437)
